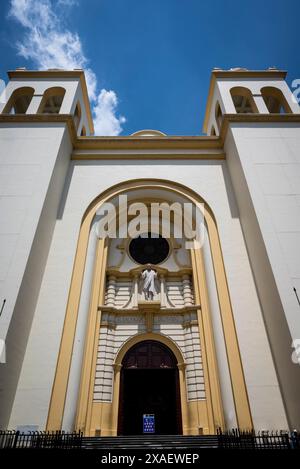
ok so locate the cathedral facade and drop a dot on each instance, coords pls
(184, 304)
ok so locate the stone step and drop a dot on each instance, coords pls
(153, 441)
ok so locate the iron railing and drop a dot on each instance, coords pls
(16, 439)
(231, 439)
(241, 439)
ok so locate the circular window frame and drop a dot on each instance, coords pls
(159, 263)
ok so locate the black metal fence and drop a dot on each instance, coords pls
(59, 439)
(238, 439)
(232, 439)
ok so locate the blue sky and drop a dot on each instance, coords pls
(150, 60)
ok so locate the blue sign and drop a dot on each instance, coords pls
(148, 423)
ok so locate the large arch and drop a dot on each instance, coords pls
(59, 390)
(149, 336)
(19, 101)
(275, 100)
(243, 100)
(52, 100)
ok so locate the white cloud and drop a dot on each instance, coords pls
(49, 45)
(106, 122)
(34, 14)
(67, 3)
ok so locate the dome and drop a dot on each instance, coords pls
(148, 133)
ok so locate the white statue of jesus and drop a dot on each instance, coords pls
(149, 275)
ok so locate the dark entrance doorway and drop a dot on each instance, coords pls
(149, 385)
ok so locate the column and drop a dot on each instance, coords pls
(135, 291)
(111, 290)
(162, 291)
(187, 290)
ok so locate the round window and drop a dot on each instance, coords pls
(149, 250)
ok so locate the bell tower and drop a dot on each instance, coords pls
(258, 120)
(41, 115)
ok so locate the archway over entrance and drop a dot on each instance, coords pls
(149, 385)
(205, 414)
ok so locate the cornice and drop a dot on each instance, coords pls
(153, 148)
(155, 143)
(42, 119)
(154, 306)
(20, 73)
(253, 118)
(128, 147)
(148, 156)
(249, 74)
